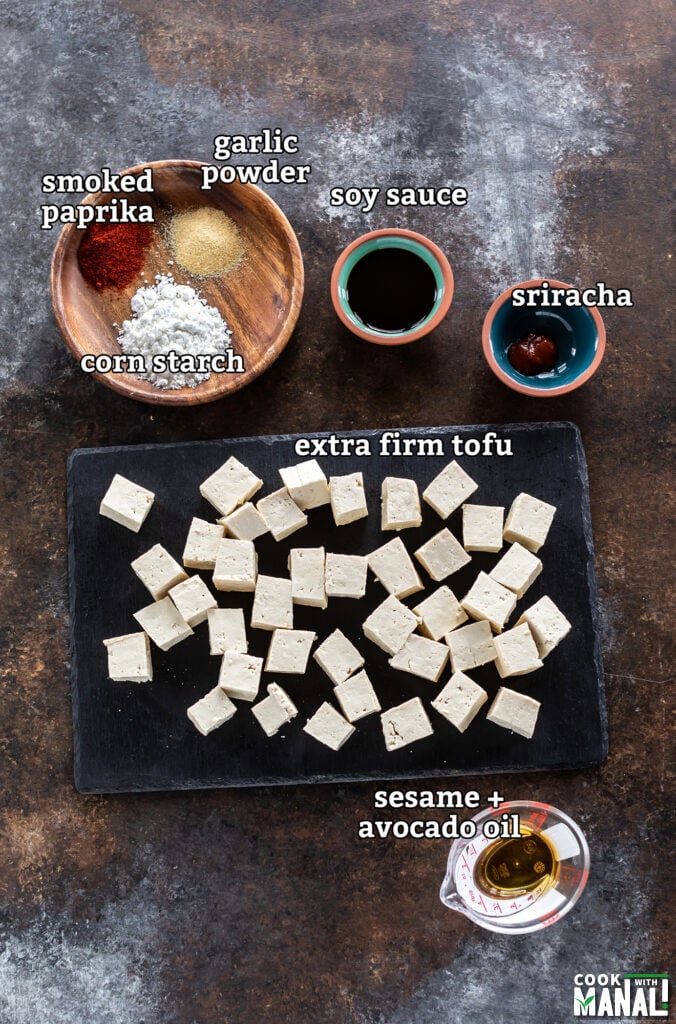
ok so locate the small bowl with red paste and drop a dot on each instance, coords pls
(540, 350)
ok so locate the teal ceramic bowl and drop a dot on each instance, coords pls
(389, 238)
(578, 332)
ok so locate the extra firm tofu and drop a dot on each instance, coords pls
(163, 623)
(158, 571)
(345, 575)
(528, 521)
(460, 700)
(201, 546)
(227, 631)
(273, 604)
(488, 599)
(449, 490)
(245, 523)
(193, 599)
(307, 571)
(442, 555)
(329, 727)
(306, 484)
(126, 503)
(289, 650)
(230, 486)
(357, 697)
(129, 659)
(275, 710)
(240, 675)
(348, 500)
(421, 657)
(391, 564)
(390, 625)
(440, 613)
(400, 508)
(281, 513)
(211, 711)
(517, 569)
(482, 527)
(514, 711)
(471, 646)
(236, 565)
(517, 653)
(338, 657)
(405, 724)
(547, 624)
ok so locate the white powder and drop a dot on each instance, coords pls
(169, 317)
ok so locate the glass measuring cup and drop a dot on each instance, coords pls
(545, 902)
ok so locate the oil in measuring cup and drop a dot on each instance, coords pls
(516, 866)
(521, 883)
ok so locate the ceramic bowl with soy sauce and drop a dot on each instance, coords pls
(392, 286)
(542, 350)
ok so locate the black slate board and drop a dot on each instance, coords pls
(131, 737)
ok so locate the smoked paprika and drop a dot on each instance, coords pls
(111, 255)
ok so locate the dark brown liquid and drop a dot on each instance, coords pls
(512, 867)
(391, 290)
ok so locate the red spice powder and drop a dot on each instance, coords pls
(111, 255)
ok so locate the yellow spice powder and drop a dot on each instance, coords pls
(205, 241)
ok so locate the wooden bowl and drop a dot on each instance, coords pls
(259, 299)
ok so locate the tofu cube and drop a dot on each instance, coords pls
(129, 658)
(240, 675)
(289, 650)
(460, 700)
(391, 564)
(482, 527)
(307, 484)
(230, 486)
(348, 501)
(357, 697)
(390, 625)
(449, 490)
(201, 546)
(440, 613)
(281, 513)
(345, 575)
(400, 507)
(421, 657)
(517, 569)
(338, 657)
(471, 646)
(245, 523)
(405, 724)
(158, 571)
(329, 727)
(272, 605)
(126, 503)
(517, 653)
(488, 599)
(275, 710)
(442, 555)
(528, 521)
(547, 624)
(193, 599)
(236, 565)
(306, 568)
(211, 711)
(514, 711)
(163, 623)
(227, 631)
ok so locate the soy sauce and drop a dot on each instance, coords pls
(391, 290)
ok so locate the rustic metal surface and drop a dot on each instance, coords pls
(263, 905)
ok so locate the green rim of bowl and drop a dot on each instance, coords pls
(390, 242)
